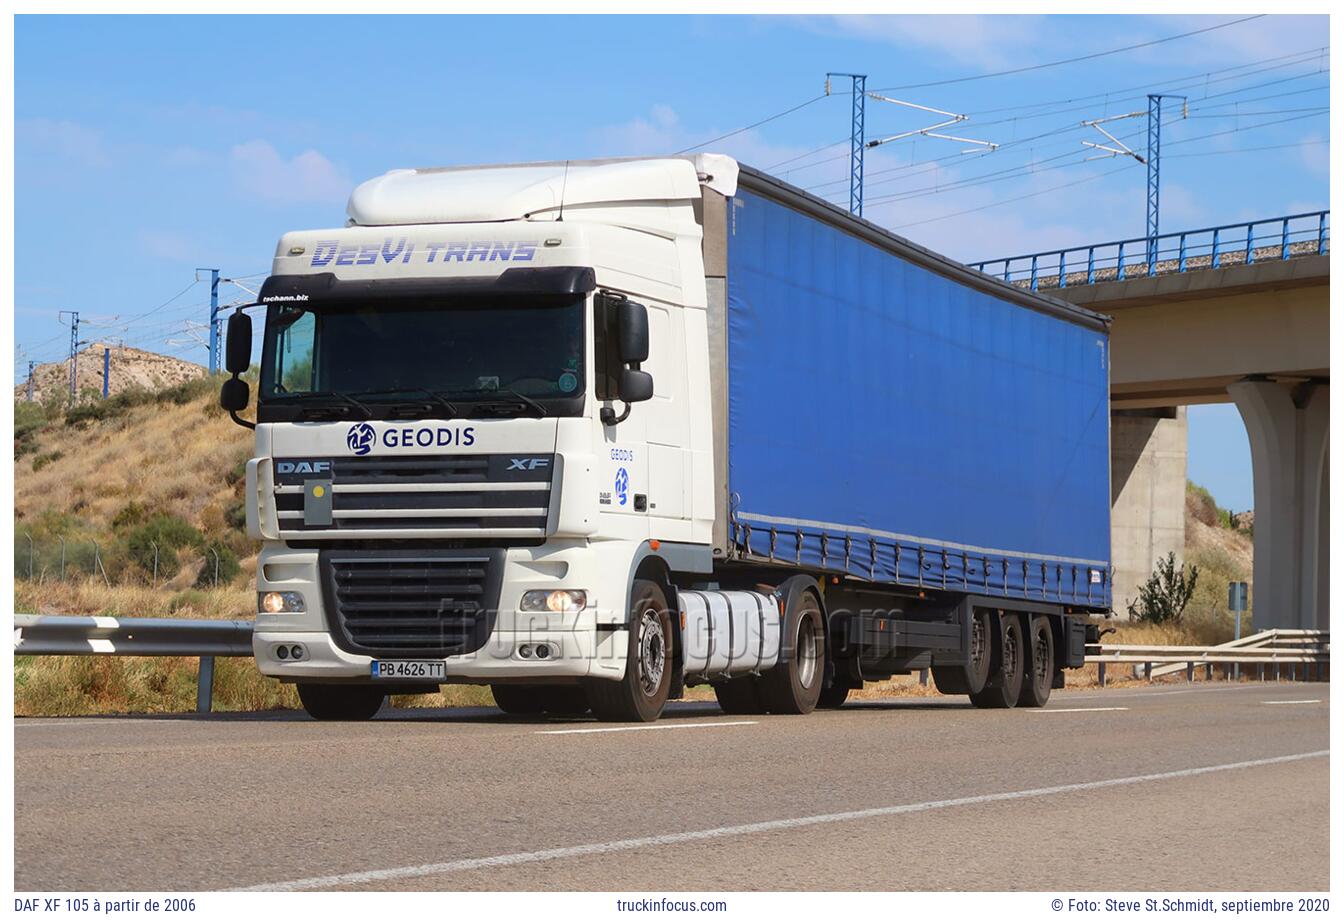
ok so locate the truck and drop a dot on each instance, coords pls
(594, 432)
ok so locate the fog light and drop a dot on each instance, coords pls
(543, 651)
(282, 652)
(554, 601)
(296, 652)
(524, 651)
(280, 602)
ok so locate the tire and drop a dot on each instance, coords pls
(641, 694)
(1005, 683)
(834, 696)
(518, 699)
(739, 696)
(972, 676)
(564, 700)
(794, 687)
(341, 702)
(1039, 671)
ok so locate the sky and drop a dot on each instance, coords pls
(147, 147)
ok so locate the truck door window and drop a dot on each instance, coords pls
(294, 356)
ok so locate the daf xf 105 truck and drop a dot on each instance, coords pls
(592, 432)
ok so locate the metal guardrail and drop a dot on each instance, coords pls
(203, 639)
(1275, 238)
(1309, 648)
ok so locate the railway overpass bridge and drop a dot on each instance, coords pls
(1234, 314)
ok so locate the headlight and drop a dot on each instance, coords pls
(280, 602)
(554, 601)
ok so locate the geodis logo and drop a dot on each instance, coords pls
(361, 437)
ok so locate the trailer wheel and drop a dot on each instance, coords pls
(739, 696)
(641, 694)
(518, 700)
(1039, 671)
(1005, 684)
(972, 676)
(793, 687)
(834, 696)
(341, 702)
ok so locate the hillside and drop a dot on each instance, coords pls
(129, 368)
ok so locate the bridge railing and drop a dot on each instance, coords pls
(1280, 238)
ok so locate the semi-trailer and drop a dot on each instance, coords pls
(592, 432)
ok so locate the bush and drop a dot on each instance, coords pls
(235, 515)
(42, 460)
(229, 568)
(1162, 599)
(29, 419)
(170, 533)
(134, 513)
(1204, 509)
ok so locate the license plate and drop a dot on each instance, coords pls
(408, 670)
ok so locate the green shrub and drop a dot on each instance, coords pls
(229, 568)
(235, 515)
(29, 419)
(1163, 598)
(134, 513)
(42, 460)
(1205, 509)
(170, 533)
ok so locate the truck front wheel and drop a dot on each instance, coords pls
(341, 702)
(641, 694)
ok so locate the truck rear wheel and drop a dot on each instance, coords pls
(972, 676)
(641, 694)
(1005, 684)
(794, 686)
(341, 702)
(1039, 671)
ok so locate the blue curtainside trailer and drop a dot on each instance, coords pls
(921, 447)
(895, 416)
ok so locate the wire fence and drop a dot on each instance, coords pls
(155, 565)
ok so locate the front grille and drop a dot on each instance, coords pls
(410, 603)
(506, 495)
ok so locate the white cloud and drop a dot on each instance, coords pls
(64, 139)
(981, 42)
(260, 170)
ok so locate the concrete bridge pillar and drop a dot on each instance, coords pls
(1289, 429)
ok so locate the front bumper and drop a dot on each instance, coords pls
(575, 645)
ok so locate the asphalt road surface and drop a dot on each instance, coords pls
(1157, 788)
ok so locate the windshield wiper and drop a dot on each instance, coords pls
(432, 394)
(328, 394)
(517, 399)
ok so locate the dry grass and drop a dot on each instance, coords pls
(172, 459)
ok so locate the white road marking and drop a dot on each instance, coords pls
(1082, 709)
(640, 728)
(761, 827)
(1287, 702)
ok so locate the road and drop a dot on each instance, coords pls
(1104, 790)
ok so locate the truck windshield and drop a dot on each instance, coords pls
(385, 358)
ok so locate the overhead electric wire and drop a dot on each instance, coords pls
(1073, 60)
(757, 124)
(1215, 153)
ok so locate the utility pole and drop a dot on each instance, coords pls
(74, 350)
(30, 381)
(856, 145)
(107, 368)
(214, 317)
(1154, 168)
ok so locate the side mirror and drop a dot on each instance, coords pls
(233, 395)
(635, 386)
(632, 323)
(238, 349)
